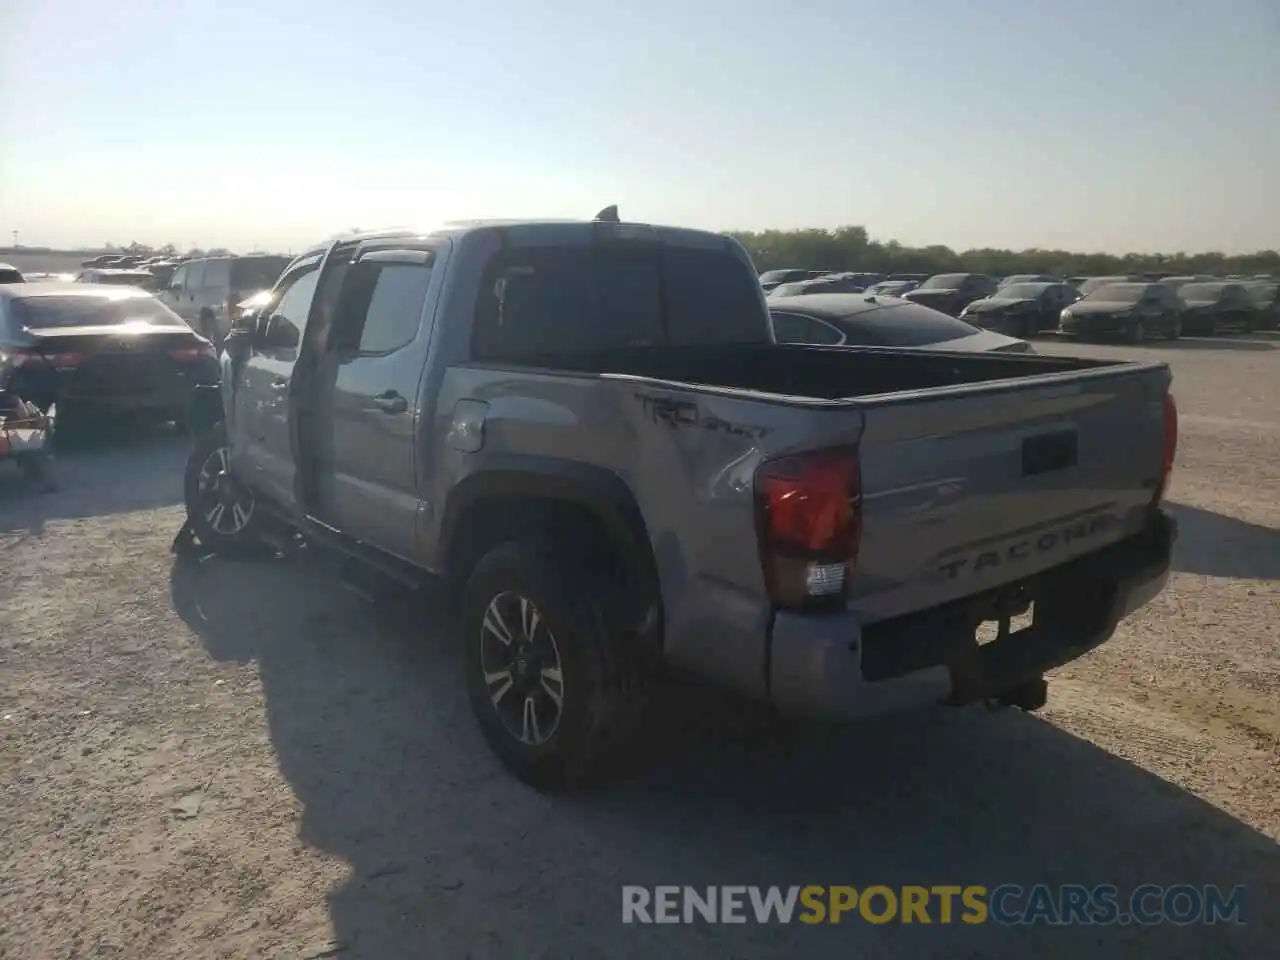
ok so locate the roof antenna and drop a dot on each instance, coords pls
(608, 215)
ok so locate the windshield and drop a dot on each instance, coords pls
(1201, 291)
(1118, 293)
(1022, 291)
(37, 313)
(943, 281)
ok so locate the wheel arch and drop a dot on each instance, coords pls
(563, 500)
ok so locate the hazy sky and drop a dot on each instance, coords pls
(1121, 125)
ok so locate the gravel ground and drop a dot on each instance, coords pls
(211, 759)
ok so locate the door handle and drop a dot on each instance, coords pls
(390, 402)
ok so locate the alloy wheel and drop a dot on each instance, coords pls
(223, 503)
(522, 670)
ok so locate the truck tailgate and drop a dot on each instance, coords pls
(968, 489)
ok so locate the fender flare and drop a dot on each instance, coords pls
(603, 494)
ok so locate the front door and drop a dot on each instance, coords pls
(367, 408)
(262, 443)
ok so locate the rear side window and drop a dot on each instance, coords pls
(796, 328)
(555, 299)
(217, 274)
(904, 325)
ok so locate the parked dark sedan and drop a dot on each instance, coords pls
(952, 292)
(10, 274)
(1021, 309)
(851, 319)
(91, 347)
(1211, 306)
(1265, 295)
(1130, 310)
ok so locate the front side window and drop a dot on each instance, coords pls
(380, 306)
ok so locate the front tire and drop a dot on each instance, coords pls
(1175, 328)
(1137, 333)
(552, 682)
(221, 511)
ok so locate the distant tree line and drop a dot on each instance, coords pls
(849, 248)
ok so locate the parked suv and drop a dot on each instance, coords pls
(205, 292)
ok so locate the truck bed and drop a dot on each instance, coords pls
(815, 372)
(978, 470)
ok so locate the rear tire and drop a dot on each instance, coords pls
(552, 682)
(221, 511)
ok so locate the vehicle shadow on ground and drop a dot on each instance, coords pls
(1215, 545)
(372, 731)
(114, 468)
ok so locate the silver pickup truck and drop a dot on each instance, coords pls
(588, 428)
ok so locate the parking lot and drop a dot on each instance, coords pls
(242, 759)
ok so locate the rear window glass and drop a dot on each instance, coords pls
(903, 325)
(37, 313)
(557, 299)
(944, 281)
(250, 274)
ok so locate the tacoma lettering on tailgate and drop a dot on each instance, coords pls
(1033, 544)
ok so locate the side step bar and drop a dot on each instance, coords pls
(321, 534)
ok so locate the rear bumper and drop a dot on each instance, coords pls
(831, 666)
(168, 393)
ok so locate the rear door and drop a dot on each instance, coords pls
(188, 305)
(261, 441)
(366, 400)
(211, 299)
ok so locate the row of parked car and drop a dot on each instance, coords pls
(206, 292)
(1134, 307)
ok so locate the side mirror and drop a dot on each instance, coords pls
(275, 332)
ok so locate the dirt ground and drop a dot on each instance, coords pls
(213, 759)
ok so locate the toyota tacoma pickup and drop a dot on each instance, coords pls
(589, 428)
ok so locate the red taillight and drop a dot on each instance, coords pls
(20, 355)
(809, 523)
(1170, 447)
(68, 358)
(200, 351)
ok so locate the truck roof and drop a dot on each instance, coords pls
(571, 231)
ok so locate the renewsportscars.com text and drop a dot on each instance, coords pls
(1006, 904)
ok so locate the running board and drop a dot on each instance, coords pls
(317, 532)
